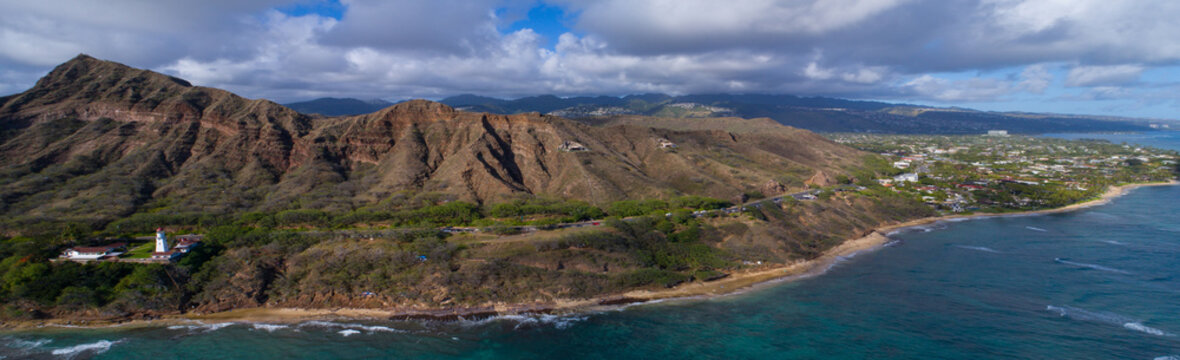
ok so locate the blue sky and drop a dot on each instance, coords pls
(547, 20)
(1078, 56)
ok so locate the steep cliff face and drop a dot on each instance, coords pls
(96, 139)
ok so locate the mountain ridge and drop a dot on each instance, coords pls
(97, 138)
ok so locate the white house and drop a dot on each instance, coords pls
(94, 252)
(907, 177)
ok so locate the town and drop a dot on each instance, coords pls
(999, 172)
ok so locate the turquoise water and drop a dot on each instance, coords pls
(1160, 139)
(1100, 283)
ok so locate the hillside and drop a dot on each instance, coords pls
(96, 141)
(358, 211)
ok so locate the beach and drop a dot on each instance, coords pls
(734, 283)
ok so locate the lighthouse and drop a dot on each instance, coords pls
(161, 241)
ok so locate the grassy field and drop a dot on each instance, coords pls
(142, 251)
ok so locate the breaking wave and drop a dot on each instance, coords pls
(1114, 242)
(560, 322)
(1092, 266)
(351, 328)
(1033, 228)
(268, 327)
(202, 326)
(1105, 318)
(95, 348)
(978, 248)
(1147, 329)
(26, 344)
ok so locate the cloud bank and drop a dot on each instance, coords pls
(936, 51)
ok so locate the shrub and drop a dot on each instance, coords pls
(298, 217)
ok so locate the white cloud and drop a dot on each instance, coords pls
(865, 75)
(813, 71)
(1103, 75)
(1035, 79)
(703, 25)
(1071, 30)
(1106, 93)
(434, 48)
(973, 89)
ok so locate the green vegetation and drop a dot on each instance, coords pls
(29, 284)
(397, 249)
(143, 251)
(296, 257)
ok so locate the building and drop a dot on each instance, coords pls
(87, 253)
(997, 133)
(165, 252)
(666, 144)
(907, 177)
(186, 244)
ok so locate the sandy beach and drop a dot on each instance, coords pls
(734, 283)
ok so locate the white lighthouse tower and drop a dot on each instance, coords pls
(161, 241)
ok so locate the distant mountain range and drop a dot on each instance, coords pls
(812, 113)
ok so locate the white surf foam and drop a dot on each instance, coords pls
(1114, 242)
(1106, 318)
(27, 344)
(1092, 266)
(978, 248)
(352, 326)
(839, 260)
(98, 347)
(559, 322)
(349, 332)
(1147, 329)
(1033, 228)
(1167, 357)
(202, 326)
(268, 327)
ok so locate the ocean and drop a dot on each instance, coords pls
(1160, 139)
(1098, 283)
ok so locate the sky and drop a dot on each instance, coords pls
(1065, 56)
